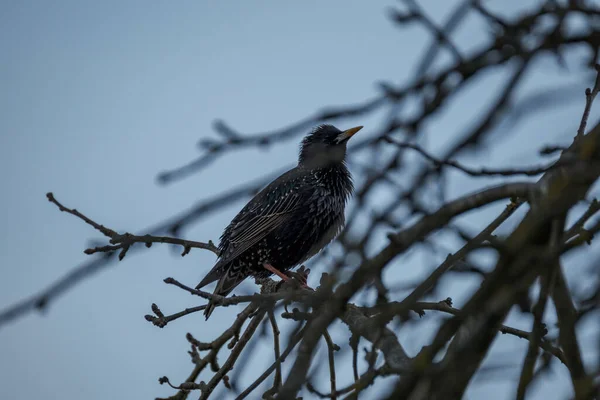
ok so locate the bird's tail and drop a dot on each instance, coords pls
(226, 284)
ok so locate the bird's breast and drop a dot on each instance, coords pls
(324, 221)
(326, 236)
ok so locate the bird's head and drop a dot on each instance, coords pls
(324, 146)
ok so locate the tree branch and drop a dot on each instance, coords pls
(124, 241)
(467, 170)
(590, 95)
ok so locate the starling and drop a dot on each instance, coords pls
(291, 219)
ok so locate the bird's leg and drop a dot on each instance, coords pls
(301, 278)
(277, 272)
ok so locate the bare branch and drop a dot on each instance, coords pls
(537, 332)
(235, 353)
(214, 347)
(277, 364)
(277, 380)
(567, 318)
(590, 95)
(331, 348)
(467, 170)
(101, 228)
(124, 241)
(578, 225)
(161, 320)
(451, 260)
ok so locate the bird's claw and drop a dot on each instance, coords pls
(301, 276)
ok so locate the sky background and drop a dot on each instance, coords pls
(97, 98)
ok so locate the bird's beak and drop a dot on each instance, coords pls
(348, 133)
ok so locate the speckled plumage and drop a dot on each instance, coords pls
(290, 220)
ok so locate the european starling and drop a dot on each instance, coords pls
(291, 219)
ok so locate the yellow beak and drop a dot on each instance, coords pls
(348, 133)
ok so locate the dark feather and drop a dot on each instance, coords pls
(234, 276)
(267, 210)
(291, 219)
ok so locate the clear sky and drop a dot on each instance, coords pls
(97, 98)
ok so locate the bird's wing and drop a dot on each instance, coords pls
(270, 210)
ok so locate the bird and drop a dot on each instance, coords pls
(290, 220)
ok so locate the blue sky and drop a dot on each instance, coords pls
(97, 98)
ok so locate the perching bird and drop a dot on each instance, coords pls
(291, 219)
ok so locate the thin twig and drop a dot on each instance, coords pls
(161, 320)
(235, 353)
(537, 332)
(101, 228)
(416, 13)
(567, 319)
(277, 363)
(425, 286)
(590, 95)
(185, 386)
(127, 239)
(364, 381)
(331, 347)
(574, 230)
(444, 306)
(291, 293)
(214, 347)
(354, 341)
(277, 379)
(467, 170)
(124, 241)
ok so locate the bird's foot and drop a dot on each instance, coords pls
(299, 276)
(299, 280)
